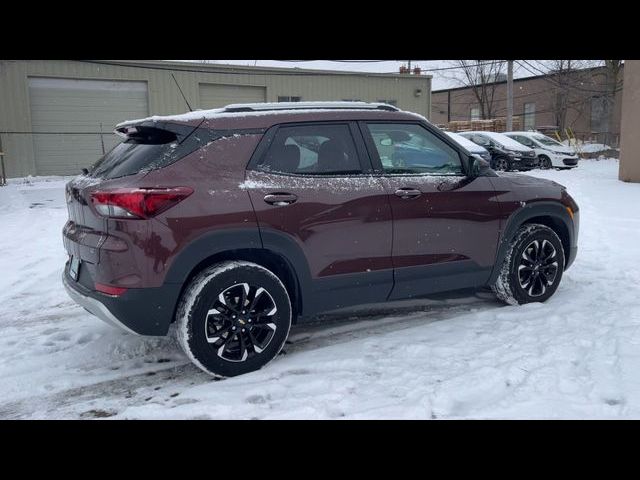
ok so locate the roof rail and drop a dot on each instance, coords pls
(261, 107)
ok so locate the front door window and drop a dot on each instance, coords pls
(410, 149)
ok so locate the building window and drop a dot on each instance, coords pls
(282, 98)
(598, 117)
(529, 116)
(390, 102)
(475, 113)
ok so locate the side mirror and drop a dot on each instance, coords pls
(479, 167)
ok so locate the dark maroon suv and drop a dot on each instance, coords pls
(235, 223)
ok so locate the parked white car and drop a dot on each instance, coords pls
(551, 153)
(470, 146)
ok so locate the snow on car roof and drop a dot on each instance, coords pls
(218, 113)
(466, 143)
(502, 139)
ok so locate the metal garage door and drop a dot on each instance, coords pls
(215, 96)
(71, 114)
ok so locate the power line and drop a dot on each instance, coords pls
(234, 70)
(258, 73)
(340, 61)
(438, 69)
(549, 77)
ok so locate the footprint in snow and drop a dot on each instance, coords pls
(98, 413)
(257, 399)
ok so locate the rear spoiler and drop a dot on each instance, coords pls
(156, 132)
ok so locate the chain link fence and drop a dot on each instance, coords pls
(57, 153)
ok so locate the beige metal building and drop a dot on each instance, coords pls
(57, 117)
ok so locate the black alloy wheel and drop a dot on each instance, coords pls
(538, 267)
(240, 325)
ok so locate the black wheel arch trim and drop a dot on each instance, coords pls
(523, 215)
(208, 245)
(313, 296)
(249, 239)
(310, 294)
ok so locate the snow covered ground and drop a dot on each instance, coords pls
(576, 356)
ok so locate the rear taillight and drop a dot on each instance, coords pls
(110, 289)
(137, 202)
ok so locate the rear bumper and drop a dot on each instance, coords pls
(143, 311)
(93, 306)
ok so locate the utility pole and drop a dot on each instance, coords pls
(510, 95)
(409, 66)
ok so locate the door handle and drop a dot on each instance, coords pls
(280, 199)
(406, 193)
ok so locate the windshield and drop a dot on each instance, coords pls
(543, 139)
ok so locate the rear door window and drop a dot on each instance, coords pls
(312, 150)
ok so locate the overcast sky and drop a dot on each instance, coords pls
(441, 79)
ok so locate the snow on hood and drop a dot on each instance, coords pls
(559, 149)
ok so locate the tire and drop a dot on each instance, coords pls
(501, 164)
(519, 280)
(217, 334)
(545, 162)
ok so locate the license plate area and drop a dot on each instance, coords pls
(74, 267)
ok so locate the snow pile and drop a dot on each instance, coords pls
(589, 147)
(10, 198)
(461, 356)
(595, 147)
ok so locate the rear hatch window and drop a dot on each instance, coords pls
(147, 148)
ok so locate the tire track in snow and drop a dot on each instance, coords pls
(105, 399)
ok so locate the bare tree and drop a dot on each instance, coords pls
(577, 85)
(565, 77)
(568, 81)
(481, 76)
(561, 71)
(612, 85)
